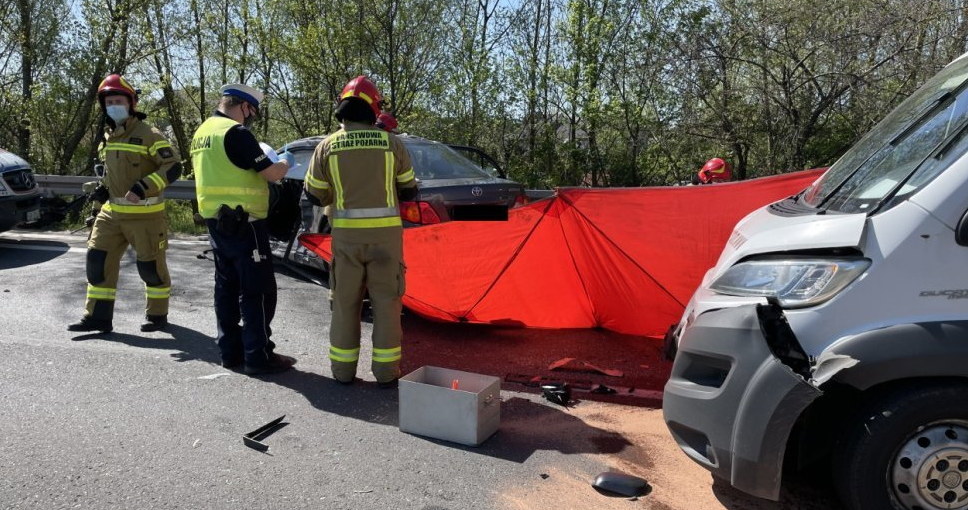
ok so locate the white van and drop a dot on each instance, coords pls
(834, 327)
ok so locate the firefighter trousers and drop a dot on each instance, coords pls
(110, 237)
(245, 291)
(356, 268)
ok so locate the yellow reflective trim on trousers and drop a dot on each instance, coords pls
(344, 355)
(405, 176)
(387, 355)
(125, 147)
(388, 176)
(316, 183)
(158, 145)
(158, 292)
(133, 209)
(159, 182)
(367, 222)
(107, 293)
(337, 183)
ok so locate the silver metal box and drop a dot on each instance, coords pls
(430, 407)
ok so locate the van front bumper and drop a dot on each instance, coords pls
(17, 209)
(730, 403)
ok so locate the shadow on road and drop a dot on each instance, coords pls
(15, 254)
(190, 344)
(526, 426)
(797, 493)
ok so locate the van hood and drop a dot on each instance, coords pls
(764, 231)
(10, 161)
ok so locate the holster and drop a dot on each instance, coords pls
(231, 222)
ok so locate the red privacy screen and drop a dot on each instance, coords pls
(624, 259)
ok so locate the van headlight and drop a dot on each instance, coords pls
(795, 283)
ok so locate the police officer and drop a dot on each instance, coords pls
(232, 175)
(363, 172)
(139, 165)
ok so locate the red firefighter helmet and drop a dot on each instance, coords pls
(715, 170)
(386, 122)
(116, 84)
(361, 87)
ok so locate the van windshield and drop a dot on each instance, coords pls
(905, 151)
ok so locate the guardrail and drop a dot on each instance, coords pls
(179, 190)
(71, 185)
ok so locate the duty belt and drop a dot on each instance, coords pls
(147, 201)
(372, 212)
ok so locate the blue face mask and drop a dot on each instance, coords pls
(117, 112)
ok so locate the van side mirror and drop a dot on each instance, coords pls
(961, 231)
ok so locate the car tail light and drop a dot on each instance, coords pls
(520, 200)
(421, 213)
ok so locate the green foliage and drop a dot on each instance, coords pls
(561, 92)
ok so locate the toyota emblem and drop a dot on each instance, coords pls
(477, 191)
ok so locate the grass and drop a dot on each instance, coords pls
(180, 219)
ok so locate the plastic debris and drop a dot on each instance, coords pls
(252, 439)
(214, 376)
(576, 365)
(614, 483)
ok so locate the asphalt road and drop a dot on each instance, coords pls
(150, 420)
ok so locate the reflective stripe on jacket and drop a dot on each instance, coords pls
(359, 169)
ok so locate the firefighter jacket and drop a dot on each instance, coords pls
(218, 180)
(137, 158)
(359, 170)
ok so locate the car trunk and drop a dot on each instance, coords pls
(470, 199)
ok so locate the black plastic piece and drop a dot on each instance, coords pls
(557, 392)
(613, 483)
(961, 232)
(252, 439)
(780, 338)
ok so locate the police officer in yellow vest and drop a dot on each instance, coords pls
(363, 171)
(139, 165)
(231, 179)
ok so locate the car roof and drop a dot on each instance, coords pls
(311, 142)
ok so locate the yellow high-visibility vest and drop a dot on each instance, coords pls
(217, 180)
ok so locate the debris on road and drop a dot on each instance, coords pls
(577, 365)
(252, 439)
(213, 376)
(614, 483)
(557, 392)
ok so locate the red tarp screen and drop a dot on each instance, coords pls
(622, 259)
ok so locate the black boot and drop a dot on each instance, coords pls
(90, 324)
(154, 323)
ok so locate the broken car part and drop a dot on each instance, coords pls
(613, 483)
(252, 439)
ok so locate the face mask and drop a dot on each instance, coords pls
(248, 121)
(117, 112)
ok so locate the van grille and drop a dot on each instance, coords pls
(20, 180)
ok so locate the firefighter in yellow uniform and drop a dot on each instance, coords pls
(363, 171)
(139, 164)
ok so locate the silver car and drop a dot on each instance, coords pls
(455, 183)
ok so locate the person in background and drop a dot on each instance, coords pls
(715, 170)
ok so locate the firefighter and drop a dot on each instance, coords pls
(387, 122)
(715, 170)
(140, 163)
(363, 172)
(232, 182)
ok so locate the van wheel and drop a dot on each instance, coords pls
(907, 450)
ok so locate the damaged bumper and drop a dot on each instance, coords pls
(737, 387)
